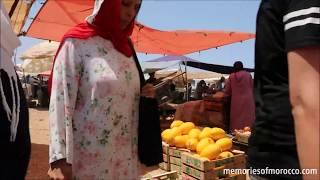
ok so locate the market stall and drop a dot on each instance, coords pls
(58, 16)
(36, 67)
(201, 152)
(212, 111)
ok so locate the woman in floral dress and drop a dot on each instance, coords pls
(95, 97)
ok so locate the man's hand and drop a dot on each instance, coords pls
(148, 91)
(60, 170)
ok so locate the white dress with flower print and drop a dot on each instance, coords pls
(94, 110)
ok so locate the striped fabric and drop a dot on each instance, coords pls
(302, 17)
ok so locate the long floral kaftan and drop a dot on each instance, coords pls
(94, 110)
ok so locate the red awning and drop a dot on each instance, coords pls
(57, 16)
(180, 42)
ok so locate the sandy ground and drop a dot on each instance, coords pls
(38, 165)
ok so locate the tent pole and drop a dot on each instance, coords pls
(13, 7)
(187, 88)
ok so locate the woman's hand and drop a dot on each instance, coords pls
(60, 170)
(148, 91)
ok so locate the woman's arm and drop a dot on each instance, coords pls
(65, 82)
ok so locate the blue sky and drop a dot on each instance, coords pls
(228, 15)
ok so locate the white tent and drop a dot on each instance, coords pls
(39, 58)
(149, 67)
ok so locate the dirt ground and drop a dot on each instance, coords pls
(38, 165)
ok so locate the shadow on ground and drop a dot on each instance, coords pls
(38, 165)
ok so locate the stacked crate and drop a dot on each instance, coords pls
(165, 165)
(161, 175)
(195, 168)
(175, 158)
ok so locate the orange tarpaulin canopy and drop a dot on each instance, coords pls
(181, 42)
(57, 16)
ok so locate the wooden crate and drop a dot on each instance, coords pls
(177, 168)
(176, 152)
(213, 106)
(232, 177)
(214, 174)
(197, 174)
(172, 175)
(166, 158)
(211, 170)
(175, 160)
(205, 165)
(164, 166)
(165, 148)
(240, 146)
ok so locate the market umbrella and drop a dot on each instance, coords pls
(41, 50)
(39, 58)
(36, 66)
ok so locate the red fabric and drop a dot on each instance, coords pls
(107, 25)
(242, 109)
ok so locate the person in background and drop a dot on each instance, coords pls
(201, 89)
(15, 145)
(220, 84)
(152, 79)
(287, 61)
(172, 86)
(175, 95)
(28, 79)
(95, 97)
(239, 87)
(189, 87)
(211, 89)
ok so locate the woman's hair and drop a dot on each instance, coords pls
(237, 66)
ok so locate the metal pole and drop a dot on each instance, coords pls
(187, 86)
